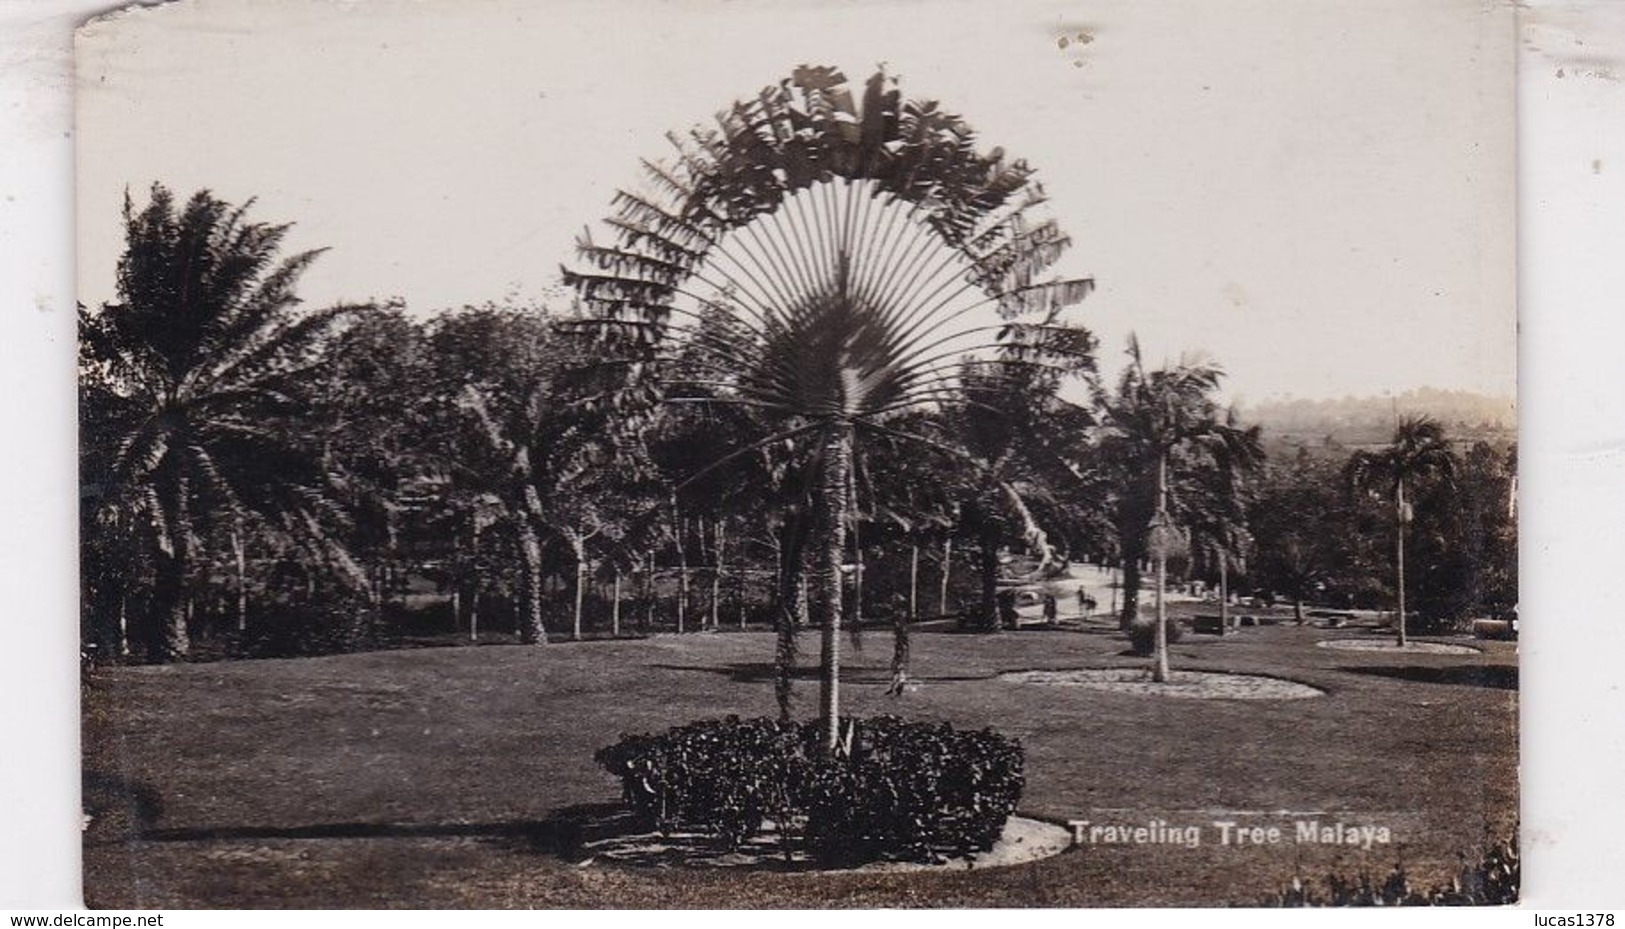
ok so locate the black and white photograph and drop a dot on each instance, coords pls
(709, 455)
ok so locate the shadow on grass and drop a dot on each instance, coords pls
(119, 804)
(1495, 677)
(577, 833)
(565, 832)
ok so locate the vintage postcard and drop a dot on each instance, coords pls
(706, 455)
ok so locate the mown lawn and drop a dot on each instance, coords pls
(431, 777)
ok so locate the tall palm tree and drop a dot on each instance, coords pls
(370, 397)
(1418, 451)
(769, 487)
(856, 251)
(524, 425)
(1012, 421)
(910, 504)
(1164, 429)
(208, 357)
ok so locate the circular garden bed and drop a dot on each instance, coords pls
(1197, 685)
(1022, 840)
(1388, 645)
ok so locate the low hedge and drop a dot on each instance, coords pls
(721, 777)
(896, 790)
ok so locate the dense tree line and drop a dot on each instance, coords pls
(257, 459)
(239, 443)
(1327, 529)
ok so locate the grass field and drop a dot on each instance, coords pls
(436, 777)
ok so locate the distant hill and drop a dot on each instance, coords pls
(1368, 421)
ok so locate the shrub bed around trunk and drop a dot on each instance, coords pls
(896, 790)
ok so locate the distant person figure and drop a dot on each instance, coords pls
(1050, 610)
(1086, 603)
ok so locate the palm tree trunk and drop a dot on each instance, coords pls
(914, 582)
(832, 503)
(581, 591)
(123, 626)
(531, 629)
(237, 545)
(900, 631)
(947, 573)
(988, 556)
(1131, 591)
(1399, 555)
(682, 570)
(718, 537)
(780, 569)
(1160, 673)
(474, 589)
(1113, 582)
(171, 637)
(649, 594)
(1224, 590)
(857, 577)
(375, 585)
(790, 609)
(615, 610)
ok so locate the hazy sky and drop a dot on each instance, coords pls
(1317, 194)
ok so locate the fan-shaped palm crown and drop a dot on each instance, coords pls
(829, 259)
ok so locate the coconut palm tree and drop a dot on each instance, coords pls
(369, 397)
(1012, 421)
(1418, 451)
(1164, 431)
(853, 252)
(524, 425)
(208, 358)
